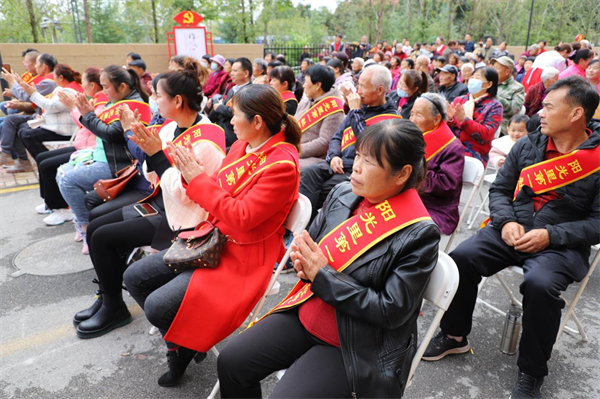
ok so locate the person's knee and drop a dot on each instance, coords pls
(232, 364)
(539, 286)
(157, 311)
(26, 134)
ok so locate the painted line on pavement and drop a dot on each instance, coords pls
(20, 188)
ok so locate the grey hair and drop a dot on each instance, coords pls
(261, 63)
(437, 105)
(360, 60)
(585, 43)
(534, 47)
(382, 77)
(549, 73)
(423, 58)
(467, 65)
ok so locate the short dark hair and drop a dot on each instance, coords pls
(324, 75)
(29, 50)
(134, 56)
(230, 60)
(401, 143)
(245, 63)
(138, 63)
(491, 75)
(441, 59)
(272, 54)
(336, 63)
(581, 54)
(518, 118)
(580, 93)
(49, 60)
(284, 73)
(275, 64)
(280, 58)
(340, 35)
(410, 62)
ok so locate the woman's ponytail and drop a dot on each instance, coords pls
(293, 133)
(136, 83)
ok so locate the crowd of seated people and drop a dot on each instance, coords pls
(234, 142)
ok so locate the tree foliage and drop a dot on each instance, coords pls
(250, 21)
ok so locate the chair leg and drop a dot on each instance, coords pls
(480, 208)
(513, 301)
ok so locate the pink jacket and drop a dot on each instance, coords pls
(572, 70)
(84, 138)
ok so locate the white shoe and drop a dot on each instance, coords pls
(43, 209)
(58, 217)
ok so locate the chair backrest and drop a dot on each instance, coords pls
(443, 282)
(299, 216)
(473, 171)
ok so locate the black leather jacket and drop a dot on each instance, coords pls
(572, 221)
(377, 299)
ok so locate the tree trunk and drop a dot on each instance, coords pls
(380, 19)
(87, 21)
(244, 33)
(450, 17)
(251, 8)
(32, 21)
(154, 21)
(471, 16)
(409, 17)
(371, 24)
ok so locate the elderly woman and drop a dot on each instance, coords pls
(317, 132)
(474, 118)
(349, 326)
(592, 74)
(537, 92)
(466, 71)
(259, 72)
(445, 161)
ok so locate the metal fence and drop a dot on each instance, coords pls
(292, 53)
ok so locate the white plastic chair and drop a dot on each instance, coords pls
(440, 291)
(473, 175)
(483, 200)
(570, 312)
(296, 222)
(54, 145)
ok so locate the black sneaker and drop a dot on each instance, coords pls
(441, 345)
(527, 387)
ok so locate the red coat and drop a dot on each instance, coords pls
(218, 300)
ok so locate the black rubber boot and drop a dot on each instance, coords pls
(178, 361)
(89, 312)
(112, 314)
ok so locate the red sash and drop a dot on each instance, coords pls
(288, 96)
(99, 99)
(438, 139)
(27, 77)
(355, 236)
(111, 114)
(236, 175)
(319, 111)
(348, 137)
(208, 132)
(39, 79)
(560, 171)
(74, 86)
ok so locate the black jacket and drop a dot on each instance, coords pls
(572, 221)
(455, 90)
(377, 298)
(407, 107)
(113, 138)
(222, 117)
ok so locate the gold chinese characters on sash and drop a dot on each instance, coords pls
(319, 111)
(355, 236)
(348, 138)
(111, 114)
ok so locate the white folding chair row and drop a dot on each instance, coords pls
(483, 201)
(570, 312)
(440, 291)
(54, 145)
(473, 175)
(296, 222)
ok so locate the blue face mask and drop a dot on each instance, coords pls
(401, 93)
(213, 66)
(475, 86)
(153, 106)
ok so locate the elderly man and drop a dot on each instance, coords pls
(367, 106)
(511, 93)
(449, 87)
(488, 50)
(357, 68)
(545, 225)
(221, 113)
(44, 84)
(536, 94)
(445, 157)
(422, 65)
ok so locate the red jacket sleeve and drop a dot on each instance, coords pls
(263, 199)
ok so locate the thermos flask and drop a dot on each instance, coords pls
(512, 328)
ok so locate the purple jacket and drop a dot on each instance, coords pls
(443, 184)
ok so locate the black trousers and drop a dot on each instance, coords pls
(33, 139)
(99, 207)
(546, 274)
(48, 163)
(111, 239)
(280, 341)
(317, 180)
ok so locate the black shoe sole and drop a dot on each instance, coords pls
(98, 333)
(453, 351)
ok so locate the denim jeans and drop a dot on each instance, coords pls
(7, 111)
(75, 181)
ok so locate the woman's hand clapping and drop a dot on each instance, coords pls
(185, 162)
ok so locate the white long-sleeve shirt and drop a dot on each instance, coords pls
(57, 116)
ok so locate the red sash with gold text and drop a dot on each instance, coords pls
(111, 114)
(348, 137)
(288, 96)
(438, 139)
(236, 175)
(355, 236)
(319, 111)
(560, 171)
(27, 77)
(99, 99)
(75, 87)
(208, 132)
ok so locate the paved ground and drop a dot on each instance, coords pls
(40, 356)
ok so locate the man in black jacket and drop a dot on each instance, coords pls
(449, 87)
(543, 218)
(221, 114)
(316, 181)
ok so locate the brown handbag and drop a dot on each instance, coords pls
(200, 248)
(109, 189)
